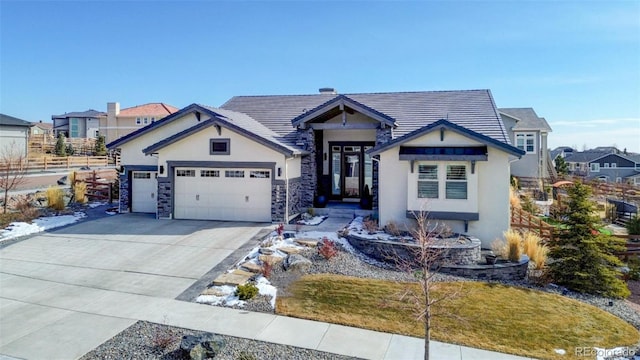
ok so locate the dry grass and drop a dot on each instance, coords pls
(514, 199)
(488, 316)
(535, 250)
(55, 198)
(513, 245)
(80, 192)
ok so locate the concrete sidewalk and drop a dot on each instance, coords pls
(106, 313)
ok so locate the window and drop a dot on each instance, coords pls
(153, 119)
(456, 185)
(618, 180)
(142, 175)
(428, 181)
(606, 165)
(234, 174)
(259, 174)
(186, 173)
(526, 142)
(595, 167)
(209, 173)
(146, 121)
(219, 147)
(613, 165)
(138, 121)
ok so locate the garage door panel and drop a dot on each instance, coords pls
(221, 194)
(144, 188)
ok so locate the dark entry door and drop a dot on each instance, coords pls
(350, 170)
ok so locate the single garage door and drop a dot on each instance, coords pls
(144, 186)
(223, 194)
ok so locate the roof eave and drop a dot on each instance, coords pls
(343, 100)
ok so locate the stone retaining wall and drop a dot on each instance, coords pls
(499, 271)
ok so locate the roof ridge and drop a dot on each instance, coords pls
(359, 93)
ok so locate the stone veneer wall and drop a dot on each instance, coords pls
(164, 198)
(499, 271)
(295, 186)
(124, 192)
(383, 136)
(308, 168)
(278, 193)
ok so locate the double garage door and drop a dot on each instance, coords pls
(223, 194)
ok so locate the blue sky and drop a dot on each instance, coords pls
(576, 63)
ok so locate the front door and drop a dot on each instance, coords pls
(350, 170)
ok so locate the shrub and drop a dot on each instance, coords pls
(280, 229)
(392, 229)
(499, 248)
(243, 355)
(529, 206)
(246, 291)
(266, 269)
(60, 149)
(311, 211)
(55, 198)
(370, 225)
(327, 249)
(514, 243)
(163, 338)
(514, 200)
(633, 226)
(27, 211)
(80, 192)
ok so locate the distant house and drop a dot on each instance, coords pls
(41, 128)
(529, 132)
(267, 158)
(79, 124)
(578, 162)
(14, 132)
(112, 124)
(560, 151)
(615, 167)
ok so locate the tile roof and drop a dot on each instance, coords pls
(584, 156)
(151, 109)
(528, 119)
(81, 114)
(13, 121)
(472, 109)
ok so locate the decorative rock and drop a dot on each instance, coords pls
(307, 242)
(251, 267)
(289, 250)
(265, 251)
(296, 262)
(270, 259)
(235, 278)
(202, 347)
(213, 291)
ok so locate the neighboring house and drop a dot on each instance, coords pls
(615, 167)
(265, 158)
(529, 132)
(41, 128)
(578, 161)
(84, 124)
(14, 133)
(561, 151)
(119, 123)
(113, 124)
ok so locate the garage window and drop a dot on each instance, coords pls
(260, 174)
(186, 173)
(234, 174)
(142, 175)
(209, 173)
(219, 147)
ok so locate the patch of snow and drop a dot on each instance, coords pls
(560, 351)
(227, 297)
(265, 288)
(17, 229)
(95, 204)
(316, 220)
(618, 353)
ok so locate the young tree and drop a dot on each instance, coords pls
(584, 259)
(561, 166)
(13, 167)
(424, 262)
(61, 149)
(70, 150)
(100, 147)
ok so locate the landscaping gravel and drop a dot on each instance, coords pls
(145, 340)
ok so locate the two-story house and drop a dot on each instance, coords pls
(616, 167)
(529, 132)
(78, 124)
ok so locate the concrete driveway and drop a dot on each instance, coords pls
(56, 287)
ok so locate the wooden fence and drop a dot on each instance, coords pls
(99, 183)
(67, 162)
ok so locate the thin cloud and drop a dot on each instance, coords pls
(598, 122)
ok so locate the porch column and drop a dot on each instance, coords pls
(308, 170)
(383, 135)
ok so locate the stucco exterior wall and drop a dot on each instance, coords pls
(131, 152)
(529, 164)
(488, 190)
(14, 136)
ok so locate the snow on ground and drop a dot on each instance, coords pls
(17, 229)
(95, 204)
(316, 220)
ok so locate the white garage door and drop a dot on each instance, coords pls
(223, 194)
(144, 187)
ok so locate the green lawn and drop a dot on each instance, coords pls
(488, 316)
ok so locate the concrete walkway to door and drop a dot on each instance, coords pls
(66, 292)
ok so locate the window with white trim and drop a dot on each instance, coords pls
(145, 121)
(595, 167)
(234, 173)
(138, 121)
(142, 175)
(526, 142)
(209, 173)
(186, 173)
(259, 174)
(456, 184)
(606, 165)
(428, 181)
(614, 165)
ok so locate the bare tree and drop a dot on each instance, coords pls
(424, 260)
(13, 167)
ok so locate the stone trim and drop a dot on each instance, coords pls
(308, 168)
